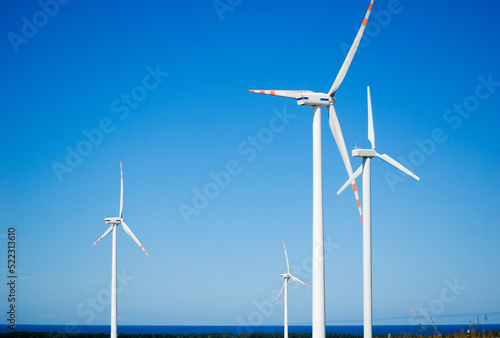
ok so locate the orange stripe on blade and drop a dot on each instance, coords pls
(370, 8)
(272, 92)
(365, 21)
(359, 204)
(262, 92)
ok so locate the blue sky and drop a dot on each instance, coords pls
(163, 85)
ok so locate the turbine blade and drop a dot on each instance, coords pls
(397, 165)
(279, 294)
(131, 234)
(292, 94)
(286, 256)
(350, 55)
(121, 189)
(351, 179)
(356, 196)
(299, 281)
(339, 139)
(104, 235)
(371, 131)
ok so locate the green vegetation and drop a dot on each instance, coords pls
(16, 334)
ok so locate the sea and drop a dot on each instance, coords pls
(208, 329)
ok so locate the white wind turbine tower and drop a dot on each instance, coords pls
(115, 221)
(286, 277)
(318, 100)
(367, 155)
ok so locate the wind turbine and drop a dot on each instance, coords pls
(318, 100)
(286, 277)
(367, 155)
(115, 221)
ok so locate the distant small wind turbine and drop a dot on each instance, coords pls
(286, 277)
(367, 155)
(115, 221)
(316, 101)
(486, 323)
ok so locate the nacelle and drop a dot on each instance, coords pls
(113, 220)
(363, 152)
(314, 99)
